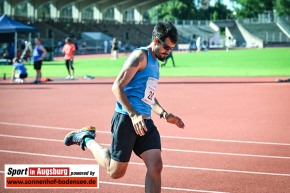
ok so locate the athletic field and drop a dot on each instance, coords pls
(236, 135)
(253, 62)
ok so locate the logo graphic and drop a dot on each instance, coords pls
(51, 176)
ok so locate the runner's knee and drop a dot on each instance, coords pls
(155, 168)
(116, 174)
(117, 169)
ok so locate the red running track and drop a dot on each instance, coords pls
(236, 139)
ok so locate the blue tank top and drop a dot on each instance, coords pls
(140, 91)
(37, 53)
(20, 68)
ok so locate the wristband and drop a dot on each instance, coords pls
(162, 114)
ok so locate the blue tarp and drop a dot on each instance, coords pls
(8, 25)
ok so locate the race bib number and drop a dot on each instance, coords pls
(149, 95)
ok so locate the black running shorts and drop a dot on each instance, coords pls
(69, 64)
(125, 139)
(22, 75)
(37, 65)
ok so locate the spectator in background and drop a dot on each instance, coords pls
(59, 46)
(228, 43)
(69, 52)
(21, 73)
(205, 45)
(167, 57)
(2, 50)
(115, 49)
(120, 45)
(76, 46)
(106, 44)
(198, 44)
(84, 47)
(9, 53)
(39, 54)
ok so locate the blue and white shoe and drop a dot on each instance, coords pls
(77, 137)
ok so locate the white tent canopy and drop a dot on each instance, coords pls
(95, 36)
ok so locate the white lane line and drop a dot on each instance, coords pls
(45, 127)
(163, 149)
(227, 154)
(164, 188)
(139, 163)
(142, 186)
(228, 141)
(168, 137)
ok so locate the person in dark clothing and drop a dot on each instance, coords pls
(167, 57)
(115, 49)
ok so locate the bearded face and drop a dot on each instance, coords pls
(160, 54)
(162, 48)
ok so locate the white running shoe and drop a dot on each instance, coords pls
(68, 77)
(18, 80)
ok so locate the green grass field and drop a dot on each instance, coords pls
(247, 62)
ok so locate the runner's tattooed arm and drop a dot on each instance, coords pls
(135, 62)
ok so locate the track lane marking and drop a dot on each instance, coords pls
(163, 149)
(166, 137)
(142, 186)
(142, 164)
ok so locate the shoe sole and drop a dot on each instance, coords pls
(80, 130)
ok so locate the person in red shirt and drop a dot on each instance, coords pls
(69, 51)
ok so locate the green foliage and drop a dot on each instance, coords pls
(215, 16)
(282, 7)
(251, 8)
(173, 9)
(221, 10)
(187, 10)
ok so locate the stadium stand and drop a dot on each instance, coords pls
(187, 31)
(188, 34)
(237, 35)
(269, 32)
(284, 25)
(134, 35)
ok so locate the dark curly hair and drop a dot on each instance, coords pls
(162, 30)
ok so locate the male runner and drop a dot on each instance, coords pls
(39, 54)
(132, 126)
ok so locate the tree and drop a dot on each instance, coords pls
(282, 7)
(251, 8)
(222, 11)
(187, 10)
(173, 9)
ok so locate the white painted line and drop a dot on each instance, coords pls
(227, 141)
(164, 188)
(163, 149)
(139, 163)
(35, 126)
(32, 138)
(142, 186)
(43, 126)
(168, 137)
(227, 154)
(39, 139)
